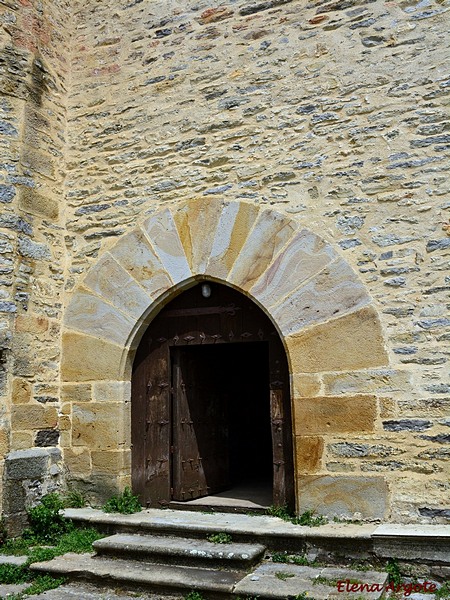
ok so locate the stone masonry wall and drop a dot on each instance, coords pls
(333, 112)
(33, 82)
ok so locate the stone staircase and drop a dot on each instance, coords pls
(166, 552)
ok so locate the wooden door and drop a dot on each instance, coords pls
(200, 426)
(151, 422)
(179, 413)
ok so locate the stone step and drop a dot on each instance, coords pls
(276, 581)
(271, 532)
(269, 581)
(134, 574)
(182, 551)
(422, 544)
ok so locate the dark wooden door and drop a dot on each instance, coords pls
(200, 426)
(185, 411)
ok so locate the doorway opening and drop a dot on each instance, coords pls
(211, 416)
(222, 415)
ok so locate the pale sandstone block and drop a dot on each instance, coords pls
(101, 426)
(64, 423)
(76, 392)
(31, 417)
(86, 358)
(335, 291)
(21, 391)
(4, 442)
(113, 462)
(344, 496)
(163, 235)
(309, 451)
(22, 440)
(110, 281)
(306, 385)
(236, 220)
(93, 316)
(196, 223)
(380, 381)
(305, 256)
(334, 414)
(31, 324)
(136, 256)
(78, 461)
(354, 341)
(111, 391)
(269, 235)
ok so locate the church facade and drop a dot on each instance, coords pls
(286, 161)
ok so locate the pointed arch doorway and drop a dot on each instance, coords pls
(210, 402)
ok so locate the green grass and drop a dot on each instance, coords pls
(42, 583)
(306, 519)
(283, 576)
(125, 503)
(76, 540)
(194, 596)
(393, 571)
(49, 535)
(443, 591)
(220, 538)
(74, 499)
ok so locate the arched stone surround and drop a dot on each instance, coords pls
(321, 309)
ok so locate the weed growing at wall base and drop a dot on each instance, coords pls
(125, 503)
(306, 519)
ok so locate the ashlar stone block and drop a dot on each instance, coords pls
(335, 291)
(86, 358)
(335, 414)
(76, 392)
(344, 496)
(109, 280)
(306, 385)
(101, 426)
(134, 253)
(163, 235)
(196, 223)
(305, 256)
(309, 451)
(354, 341)
(77, 460)
(378, 381)
(91, 315)
(115, 462)
(112, 391)
(21, 391)
(268, 236)
(31, 417)
(233, 227)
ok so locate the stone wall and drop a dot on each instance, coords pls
(33, 92)
(333, 113)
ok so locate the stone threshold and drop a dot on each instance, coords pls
(255, 525)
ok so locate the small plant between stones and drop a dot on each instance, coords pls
(125, 503)
(443, 591)
(393, 571)
(194, 596)
(306, 519)
(219, 538)
(74, 499)
(46, 521)
(283, 576)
